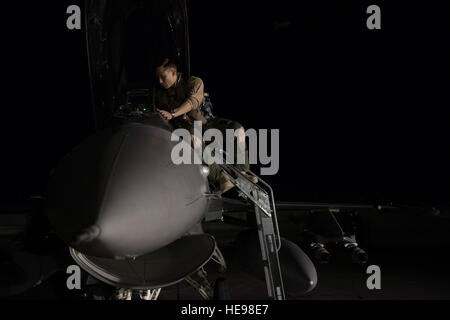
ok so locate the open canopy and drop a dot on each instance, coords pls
(126, 39)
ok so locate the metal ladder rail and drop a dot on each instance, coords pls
(269, 236)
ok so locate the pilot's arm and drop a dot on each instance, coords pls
(194, 99)
(195, 96)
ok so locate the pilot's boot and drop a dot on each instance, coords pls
(225, 183)
(250, 177)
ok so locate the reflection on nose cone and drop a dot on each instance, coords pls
(119, 194)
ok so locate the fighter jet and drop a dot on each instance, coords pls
(130, 217)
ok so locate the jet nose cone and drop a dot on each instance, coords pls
(120, 195)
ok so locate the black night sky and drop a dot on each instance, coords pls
(361, 113)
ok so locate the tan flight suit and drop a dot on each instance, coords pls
(192, 91)
(182, 91)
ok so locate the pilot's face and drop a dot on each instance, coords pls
(167, 77)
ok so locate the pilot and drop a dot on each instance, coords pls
(179, 101)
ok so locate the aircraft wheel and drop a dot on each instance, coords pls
(359, 256)
(321, 254)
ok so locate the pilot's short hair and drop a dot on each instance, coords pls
(168, 63)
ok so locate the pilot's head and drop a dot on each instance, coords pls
(167, 73)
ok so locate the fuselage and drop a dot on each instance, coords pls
(119, 195)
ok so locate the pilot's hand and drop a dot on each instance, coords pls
(166, 115)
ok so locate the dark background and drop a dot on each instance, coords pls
(361, 113)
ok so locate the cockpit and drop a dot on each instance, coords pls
(126, 41)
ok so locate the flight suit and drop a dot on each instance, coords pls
(192, 90)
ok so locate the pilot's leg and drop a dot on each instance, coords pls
(241, 152)
(241, 160)
(241, 157)
(214, 169)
